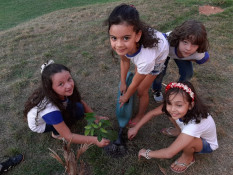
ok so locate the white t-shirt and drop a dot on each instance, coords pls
(50, 115)
(147, 59)
(206, 129)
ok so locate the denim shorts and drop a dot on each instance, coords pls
(206, 147)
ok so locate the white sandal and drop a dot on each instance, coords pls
(183, 165)
(167, 132)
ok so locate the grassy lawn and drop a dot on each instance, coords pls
(14, 12)
(77, 38)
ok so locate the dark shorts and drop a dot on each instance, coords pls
(206, 147)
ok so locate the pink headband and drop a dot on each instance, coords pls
(180, 86)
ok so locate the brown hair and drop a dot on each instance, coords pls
(191, 30)
(46, 90)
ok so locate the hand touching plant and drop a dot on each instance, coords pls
(97, 127)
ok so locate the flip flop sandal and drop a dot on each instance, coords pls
(131, 124)
(166, 131)
(183, 165)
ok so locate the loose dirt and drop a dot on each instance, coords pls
(209, 10)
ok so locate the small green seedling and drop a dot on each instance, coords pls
(98, 129)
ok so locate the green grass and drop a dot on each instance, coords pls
(14, 12)
(77, 38)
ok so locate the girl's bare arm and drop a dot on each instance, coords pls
(125, 64)
(182, 141)
(132, 132)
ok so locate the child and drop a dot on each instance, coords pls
(198, 130)
(57, 104)
(147, 48)
(188, 42)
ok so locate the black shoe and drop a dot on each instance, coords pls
(9, 163)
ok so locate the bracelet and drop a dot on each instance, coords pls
(147, 152)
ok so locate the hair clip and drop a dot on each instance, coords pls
(180, 86)
(43, 66)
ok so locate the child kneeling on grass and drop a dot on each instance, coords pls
(197, 127)
(56, 105)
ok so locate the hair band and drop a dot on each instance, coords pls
(43, 66)
(180, 86)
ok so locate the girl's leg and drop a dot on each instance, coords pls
(185, 69)
(143, 95)
(187, 155)
(157, 84)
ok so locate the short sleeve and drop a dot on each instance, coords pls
(192, 130)
(204, 59)
(51, 114)
(53, 118)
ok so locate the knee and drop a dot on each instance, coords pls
(142, 92)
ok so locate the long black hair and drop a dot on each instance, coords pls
(45, 93)
(198, 111)
(128, 14)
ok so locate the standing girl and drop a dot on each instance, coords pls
(198, 130)
(147, 48)
(56, 105)
(188, 42)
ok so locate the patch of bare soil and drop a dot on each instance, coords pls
(209, 10)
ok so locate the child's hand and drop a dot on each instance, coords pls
(123, 88)
(123, 100)
(142, 153)
(98, 118)
(102, 143)
(132, 132)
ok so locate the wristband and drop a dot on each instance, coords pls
(147, 152)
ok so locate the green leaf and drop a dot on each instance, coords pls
(94, 125)
(103, 130)
(100, 124)
(99, 138)
(88, 127)
(90, 117)
(87, 131)
(105, 135)
(105, 123)
(92, 131)
(90, 114)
